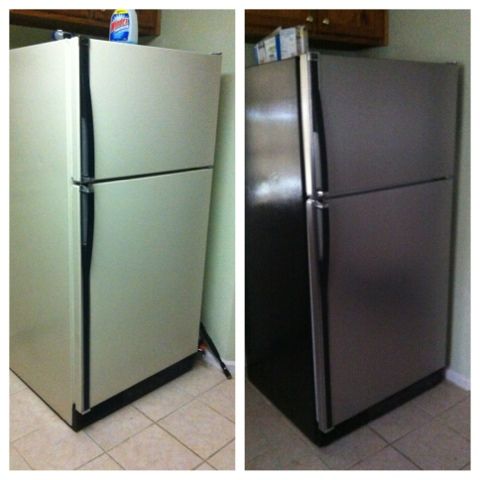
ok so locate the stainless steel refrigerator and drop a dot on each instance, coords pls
(112, 150)
(349, 178)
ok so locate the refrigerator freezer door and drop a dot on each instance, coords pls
(387, 292)
(386, 122)
(154, 109)
(146, 277)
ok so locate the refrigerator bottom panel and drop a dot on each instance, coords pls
(131, 394)
(379, 409)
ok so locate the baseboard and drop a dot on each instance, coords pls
(210, 359)
(457, 379)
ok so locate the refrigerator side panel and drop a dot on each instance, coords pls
(154, 109)
(146, 281)
(277, 311)
(41, 273)
(386, 122)
(388, 290)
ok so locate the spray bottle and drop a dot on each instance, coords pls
(124, 26)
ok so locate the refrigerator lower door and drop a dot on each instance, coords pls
(388, 289)
(146, 279)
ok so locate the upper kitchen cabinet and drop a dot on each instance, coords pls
(327, 28)
(90, 22)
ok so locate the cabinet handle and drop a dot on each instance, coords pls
(326, 21)
(310, 19)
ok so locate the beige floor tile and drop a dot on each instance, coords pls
(386, 459)
(154, 449)
(350, 449)
(222, 399)
(117, 427)
(103, 462)
(256, 441)
(17, 462)
(16, 385)
(200, 428)
(28, 413)
(205, 466)
(308, 462)
(435, 447)
(225, 458)
(458, 417)
(163, 401)
(399, 422)
(57, 446)
(200, 379)
(283, 458)
(440, 398)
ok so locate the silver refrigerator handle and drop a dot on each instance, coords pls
(318, 265)
(313, 134)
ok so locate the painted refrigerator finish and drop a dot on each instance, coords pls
(349, 173)
(110, 181)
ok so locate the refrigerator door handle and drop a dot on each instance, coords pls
(87, 145)
(87, 213)
(313, 130)
(318, 234)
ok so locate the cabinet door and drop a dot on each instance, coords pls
(358, 23)
(261, 22)
(91, 22)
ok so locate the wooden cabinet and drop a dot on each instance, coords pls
(328, 28)
(90, 22)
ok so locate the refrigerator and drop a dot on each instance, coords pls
(350, 167)
(112, 152)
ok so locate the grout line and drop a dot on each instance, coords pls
(91, 460)
(24, 459)
(189, 448)
(411, 460)
(221, 448)
(128, 438)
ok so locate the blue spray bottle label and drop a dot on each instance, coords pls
(123, 26)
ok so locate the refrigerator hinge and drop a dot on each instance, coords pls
(85, 182)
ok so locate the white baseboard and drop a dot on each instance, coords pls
(457, 379)
(209, 358)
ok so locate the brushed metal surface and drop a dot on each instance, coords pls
(154, 109)
(146, 277)
(388, 292)
(387, 122)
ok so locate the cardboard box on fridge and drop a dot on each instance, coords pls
(282, 43)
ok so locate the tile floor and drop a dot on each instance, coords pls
(431, 432)
(187, 424)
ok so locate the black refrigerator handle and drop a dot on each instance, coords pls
(318, 234)
(87, 213)
(318, 126)
(87, 147)
(87, 206)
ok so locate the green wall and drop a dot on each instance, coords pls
(439, 36)
(214, 31)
